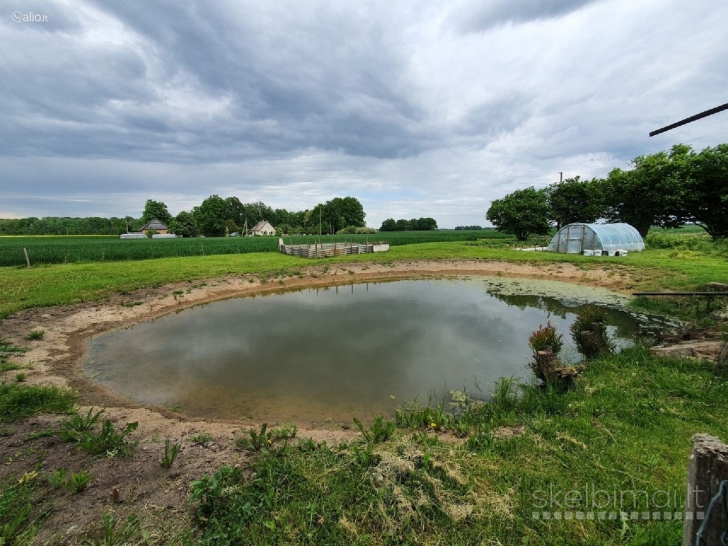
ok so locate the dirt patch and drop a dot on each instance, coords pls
(143, 486)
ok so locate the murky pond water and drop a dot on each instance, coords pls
(334, 353)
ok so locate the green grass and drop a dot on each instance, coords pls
(16, 524)
(6, 350)
(18, 401)
(22, 288)
(74, 249)
(626, 426)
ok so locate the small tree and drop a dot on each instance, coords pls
(521, 213)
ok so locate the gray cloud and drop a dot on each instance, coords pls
(109, 104)
(485, 15)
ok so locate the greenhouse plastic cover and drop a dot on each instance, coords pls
(576, 238)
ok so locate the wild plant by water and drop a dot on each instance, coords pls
(379, 432)
(258, 439)
(170, 454)
(76, 426)
(109, 441)
(79, 481)
(546, 345)
(589, 332)
(36, 334)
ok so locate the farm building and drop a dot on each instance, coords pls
(155, 225)
(263, 228)
(596, 239)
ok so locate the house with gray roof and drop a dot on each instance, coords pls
(155, 225)
(263, 228)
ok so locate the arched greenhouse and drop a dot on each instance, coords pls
(596, 239)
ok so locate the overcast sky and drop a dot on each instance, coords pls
(417, 108)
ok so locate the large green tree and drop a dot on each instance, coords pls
(707, 195)
(390, 224)
(156, 209)
(521, 213)
(654, 193)
(576, 200)
(343, 212)
(423, 224)
(184, 224)
(211, 216)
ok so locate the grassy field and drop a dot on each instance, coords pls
(673, 265)
(44, 250)
(624, 429)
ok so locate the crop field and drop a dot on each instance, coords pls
(74, 249)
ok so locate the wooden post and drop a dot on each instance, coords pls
(708, 468)
(27, 260)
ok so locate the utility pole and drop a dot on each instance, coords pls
(561, 177)
(126, 221)
(319, 222)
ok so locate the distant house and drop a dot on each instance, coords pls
(263, 228)
(155, 225)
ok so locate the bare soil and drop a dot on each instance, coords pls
(144, 487)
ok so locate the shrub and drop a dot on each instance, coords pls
(546, 338)
(589, 332)
(353, 230)
(546, 345)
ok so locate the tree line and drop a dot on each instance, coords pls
(214, 217)
(665, 189)
(416, 224)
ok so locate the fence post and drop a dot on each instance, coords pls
(708, 468)
(27, 260)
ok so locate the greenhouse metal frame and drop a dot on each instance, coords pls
(596, 239)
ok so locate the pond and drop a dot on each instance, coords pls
(330, 354)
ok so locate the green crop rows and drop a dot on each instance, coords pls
(64, 249)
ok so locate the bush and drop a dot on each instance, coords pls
(546, 345)
(546, 338)
(354, 230)
(589, 332)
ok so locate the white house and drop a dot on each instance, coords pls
(263, 228)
